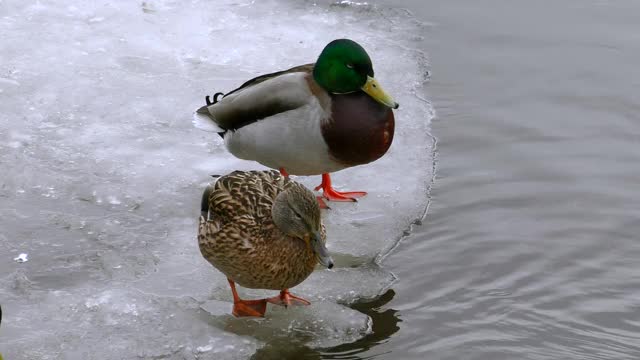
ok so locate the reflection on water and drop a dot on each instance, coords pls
(384, 324)
(529, 250)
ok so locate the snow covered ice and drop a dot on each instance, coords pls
(102, 173)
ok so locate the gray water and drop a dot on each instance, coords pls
(102, 172)
(530, 248)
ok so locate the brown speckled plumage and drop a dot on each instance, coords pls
(238, 236)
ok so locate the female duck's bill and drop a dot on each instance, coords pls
(321, 251)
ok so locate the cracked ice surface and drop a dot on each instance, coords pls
(102, 173)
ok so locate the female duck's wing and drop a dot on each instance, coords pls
(261, 97)
(248, 194)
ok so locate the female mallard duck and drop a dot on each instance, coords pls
(311, 119)
(263, 231)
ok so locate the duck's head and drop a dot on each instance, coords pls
(297, 214)
(344, 67)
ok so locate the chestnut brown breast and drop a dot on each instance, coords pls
(360, 129)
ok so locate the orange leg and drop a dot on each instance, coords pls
(329, 193)
(246, 307)
(321, 202)
(287, 299)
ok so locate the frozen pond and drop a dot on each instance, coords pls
(102, 173)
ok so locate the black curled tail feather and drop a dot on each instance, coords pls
(205, 110)
(215, 98)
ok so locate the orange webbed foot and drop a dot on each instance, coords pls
(329, 193)
(246, 307)
(287, 299)
(255, 308)
(322, 203)
(346, 196)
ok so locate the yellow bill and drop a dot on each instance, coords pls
(373, 88)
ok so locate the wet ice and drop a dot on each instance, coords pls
(102, 172)
(321, 324)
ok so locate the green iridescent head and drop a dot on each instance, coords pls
(345, 67)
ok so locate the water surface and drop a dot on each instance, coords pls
(529, 249)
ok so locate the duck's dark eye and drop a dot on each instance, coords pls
(297, 216)
(350, 66)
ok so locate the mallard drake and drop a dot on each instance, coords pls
(263, 231)
(311, 119)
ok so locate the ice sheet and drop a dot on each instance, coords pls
(102, 171)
